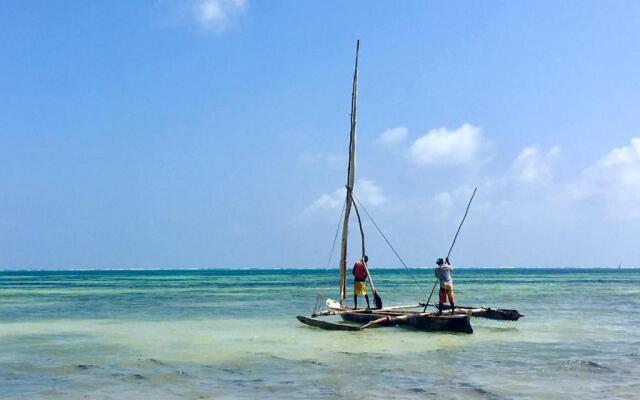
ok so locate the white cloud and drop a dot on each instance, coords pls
(444, 203)
(213, 16)
(327, 201)
(628, 155)
(217, 15)
(369, 193)
(393, 137)
(443, 146)
(366, 191)
(444, 199)
(324, 159)
(532, 165)
(613, 181)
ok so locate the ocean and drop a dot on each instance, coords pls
(232, 334)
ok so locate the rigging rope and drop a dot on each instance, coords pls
(335, 237)
(389, 243)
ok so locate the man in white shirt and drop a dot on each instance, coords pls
(443, 273)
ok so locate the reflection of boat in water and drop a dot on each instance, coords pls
(413, 317)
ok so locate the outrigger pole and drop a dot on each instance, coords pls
(452, 244)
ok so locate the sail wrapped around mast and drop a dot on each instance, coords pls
(351, 171)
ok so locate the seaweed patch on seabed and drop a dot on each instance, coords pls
(314, 362)
(150, 362)
(232, 371)
(422, 391)
(479, 390)
(377, 356)
(247, 382)
(157, 362)
(130, 377)
(586, 365)
(347, 353)
(87, 367)
(263, 355)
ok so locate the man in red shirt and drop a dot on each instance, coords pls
(359, 278)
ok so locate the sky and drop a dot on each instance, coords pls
(214, 133)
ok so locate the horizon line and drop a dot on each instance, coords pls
(27, 269)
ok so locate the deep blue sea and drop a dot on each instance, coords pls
(232, 334)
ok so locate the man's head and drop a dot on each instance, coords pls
(439, 261)
(366, 258)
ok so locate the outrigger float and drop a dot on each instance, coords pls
(411, 316)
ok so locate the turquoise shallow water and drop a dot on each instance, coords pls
(217, 334)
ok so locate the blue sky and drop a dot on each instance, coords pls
(213, 133)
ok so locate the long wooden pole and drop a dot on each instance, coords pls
(452, 244)
(363, 253)
(351, 171)
(376, 297)
(462, 222)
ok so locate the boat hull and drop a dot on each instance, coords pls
(429, 322)
(326, 325)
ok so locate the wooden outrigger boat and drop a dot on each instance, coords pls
(411, 316)
(419, 321)
(408, 317)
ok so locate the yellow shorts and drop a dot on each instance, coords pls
(360, 288)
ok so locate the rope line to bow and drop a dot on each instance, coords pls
(390, 245)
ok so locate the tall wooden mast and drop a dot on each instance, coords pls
(351, 172)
